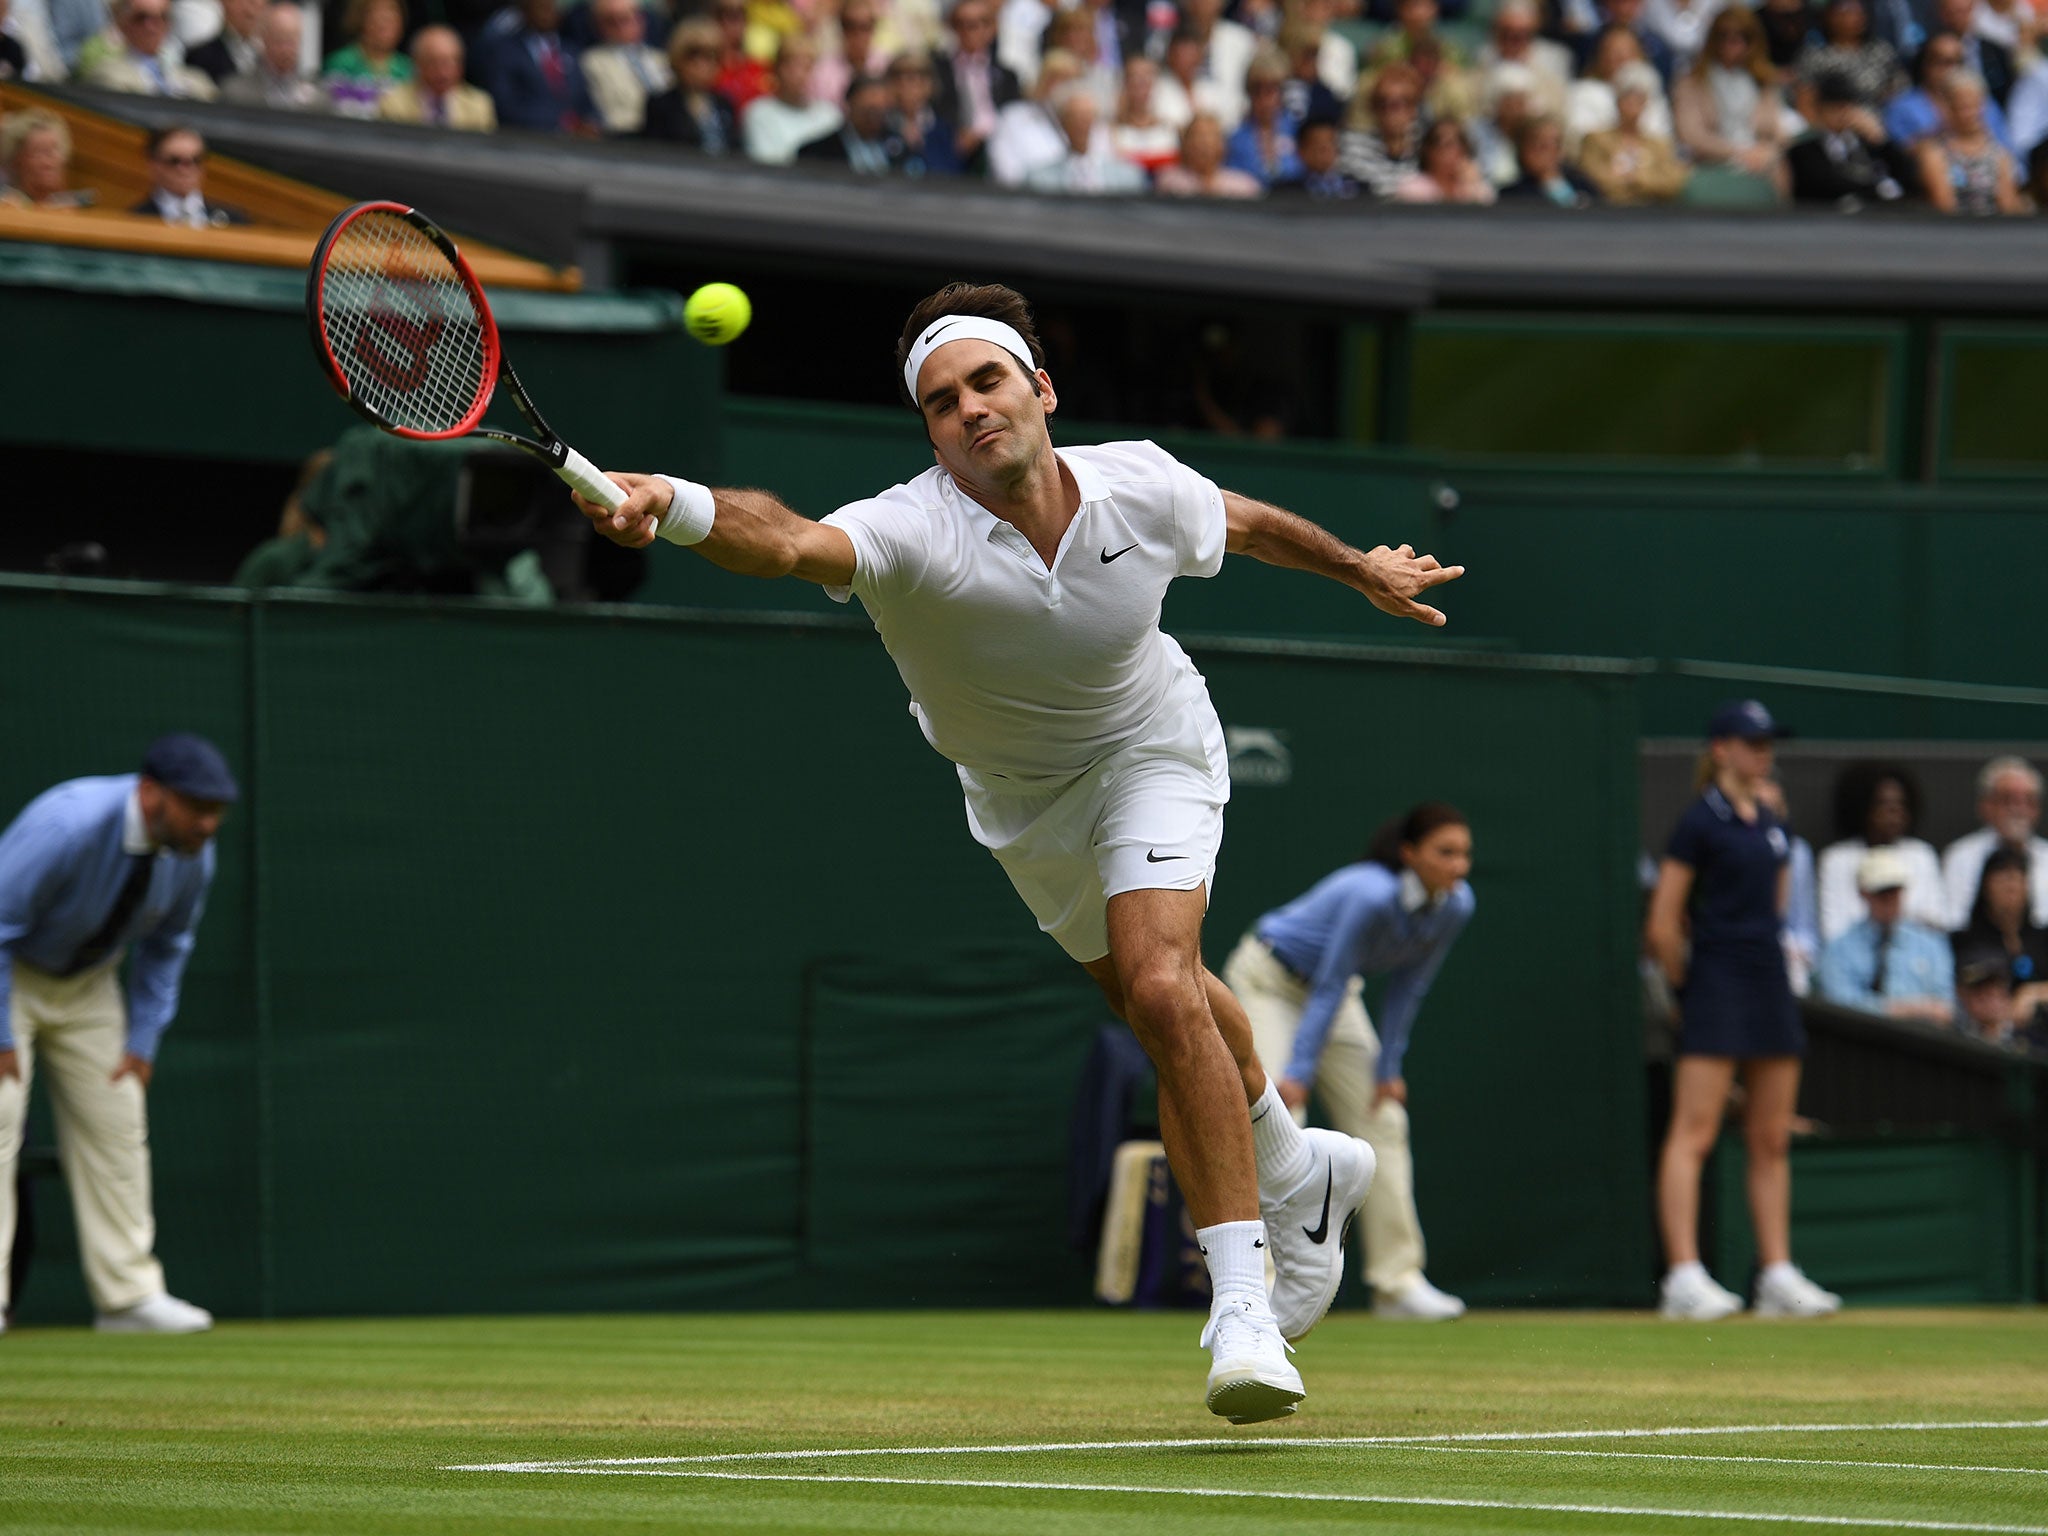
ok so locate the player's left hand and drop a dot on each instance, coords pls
(133, 1066)
(1394, 1088)
(1394, 578)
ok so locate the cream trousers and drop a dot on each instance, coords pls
(1344, 1083)
(76, 1030)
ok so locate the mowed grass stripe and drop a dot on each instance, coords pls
(342, 1428)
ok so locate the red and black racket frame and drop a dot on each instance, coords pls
(496, 369)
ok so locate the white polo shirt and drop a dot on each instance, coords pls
(1021, 672)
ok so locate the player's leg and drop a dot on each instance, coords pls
(1699, 1099)
(1155, 949)
(1773, 1094)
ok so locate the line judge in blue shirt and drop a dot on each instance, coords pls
(1300, 975)
(89, 870)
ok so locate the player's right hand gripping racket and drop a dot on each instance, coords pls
(403, 331)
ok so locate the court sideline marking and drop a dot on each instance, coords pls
(1407, 1501)
(1446, 1440)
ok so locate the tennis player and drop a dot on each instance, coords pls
(1018, 590)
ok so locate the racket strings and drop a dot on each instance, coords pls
(403, 327)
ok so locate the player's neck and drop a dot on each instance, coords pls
(1040, 503)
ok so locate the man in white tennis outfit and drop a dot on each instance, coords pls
(1018, 591)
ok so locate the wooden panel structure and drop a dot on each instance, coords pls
(110, 158)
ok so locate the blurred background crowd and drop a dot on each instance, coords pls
(1846, 103)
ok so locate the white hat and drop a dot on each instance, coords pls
(1882, 869)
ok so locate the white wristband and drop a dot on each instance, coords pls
(690, 512)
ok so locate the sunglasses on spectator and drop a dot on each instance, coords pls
(184, 160)
(1387, 103)
(856, 25)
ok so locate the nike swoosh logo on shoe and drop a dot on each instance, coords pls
(1321, 1230)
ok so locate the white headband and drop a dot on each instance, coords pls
(951, 328)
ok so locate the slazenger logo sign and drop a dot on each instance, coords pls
(1258, 756)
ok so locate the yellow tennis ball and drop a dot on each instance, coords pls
(716, 313)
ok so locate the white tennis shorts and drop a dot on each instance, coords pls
(1148, 817)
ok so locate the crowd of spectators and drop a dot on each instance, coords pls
(1845, 103)
(1958, 938)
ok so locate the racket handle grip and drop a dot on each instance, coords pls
(591, 481)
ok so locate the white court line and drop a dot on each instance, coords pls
(1763, 1517)
(1491, 1437)
(1779, 1461)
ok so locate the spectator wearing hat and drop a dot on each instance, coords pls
(1847, 160)
(90, 871)
(1990, 1008)
(2009, 806)
(1886, 963)
(1714, 929)
(1877, 805)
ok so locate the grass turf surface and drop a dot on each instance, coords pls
(350, 1426)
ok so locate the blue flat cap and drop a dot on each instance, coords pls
(1745, 718)
(191, 765)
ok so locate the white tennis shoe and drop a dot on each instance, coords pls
(1695, 1297)
(1306, 1230)
(159, 1314)
(1420, 1302)
(1250, 1377)
(1788, 1293)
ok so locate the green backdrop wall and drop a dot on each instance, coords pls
(1847, 573)
(617, 959)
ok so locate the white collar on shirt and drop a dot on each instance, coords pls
(134, 835)
(1087, 480)
(1415, 896)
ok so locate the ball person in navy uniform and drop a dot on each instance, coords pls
(91, 870)
(1714, 927)
(1018, 590)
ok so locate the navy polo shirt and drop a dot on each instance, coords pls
(1735, 866)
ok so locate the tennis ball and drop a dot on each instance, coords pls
(716, 313)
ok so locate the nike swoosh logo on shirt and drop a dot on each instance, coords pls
(1107, 557)
(1321, 1229)
(1153, 856)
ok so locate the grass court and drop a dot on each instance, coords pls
(1005, 1422)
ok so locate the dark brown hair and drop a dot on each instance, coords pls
(1418, 824)
(988, 301)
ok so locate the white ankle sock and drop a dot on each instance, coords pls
(1776, 1274)
(1236, 1251)
(1285, 1161)
(1691, 1269)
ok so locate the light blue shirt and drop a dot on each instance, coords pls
(62, 865)
(1363, 920)
(1802, 913)
(1919, 964)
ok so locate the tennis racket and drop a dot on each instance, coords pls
(404, 334)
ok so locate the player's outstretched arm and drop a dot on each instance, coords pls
(753, 532)
(1393, 578)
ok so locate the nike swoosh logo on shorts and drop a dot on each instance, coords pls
(1154, 856)
(1321, 1229)
(1107, 557)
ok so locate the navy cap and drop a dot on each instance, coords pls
(1980, 966)
(1744, 718)
(191, 765)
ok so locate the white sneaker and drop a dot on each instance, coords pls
(1307, 1230)
(1419, 1301)
(1696, 1298)
(1793, 1295)
(159, 1314)
(1251, 1379)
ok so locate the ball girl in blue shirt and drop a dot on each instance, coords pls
(1714, 926)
